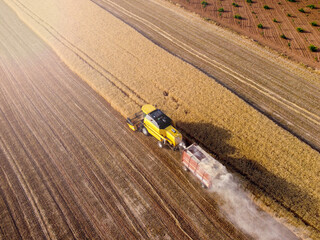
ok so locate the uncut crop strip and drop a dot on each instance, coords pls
(247, 81)
(259, 98)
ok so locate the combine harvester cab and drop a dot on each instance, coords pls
(200, 163)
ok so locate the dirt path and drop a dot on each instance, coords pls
(286, 93)
(70, 168)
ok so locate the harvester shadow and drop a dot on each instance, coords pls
(214, 139)
(211, 137)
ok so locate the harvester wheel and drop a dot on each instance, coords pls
(182, 146)
(145, 131)
(160, 144)
(185, 168)
(203, 186)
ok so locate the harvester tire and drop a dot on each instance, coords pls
(145, 131)
(203, 186)
(160, 144)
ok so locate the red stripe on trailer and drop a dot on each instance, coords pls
(195, 159)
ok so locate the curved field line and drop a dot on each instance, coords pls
(260, 88)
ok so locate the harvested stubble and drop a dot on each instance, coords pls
(128, 70)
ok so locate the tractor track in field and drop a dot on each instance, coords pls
(70, 168)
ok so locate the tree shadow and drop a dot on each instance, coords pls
(304, 31)
(264, 28)
(293, 198)
(285, 38)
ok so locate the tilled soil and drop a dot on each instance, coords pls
(281, 18)
(70, 168)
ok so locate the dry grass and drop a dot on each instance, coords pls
(128, 70)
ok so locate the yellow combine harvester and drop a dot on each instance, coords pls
(153, 121)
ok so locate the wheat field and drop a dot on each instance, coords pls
(128, 70)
